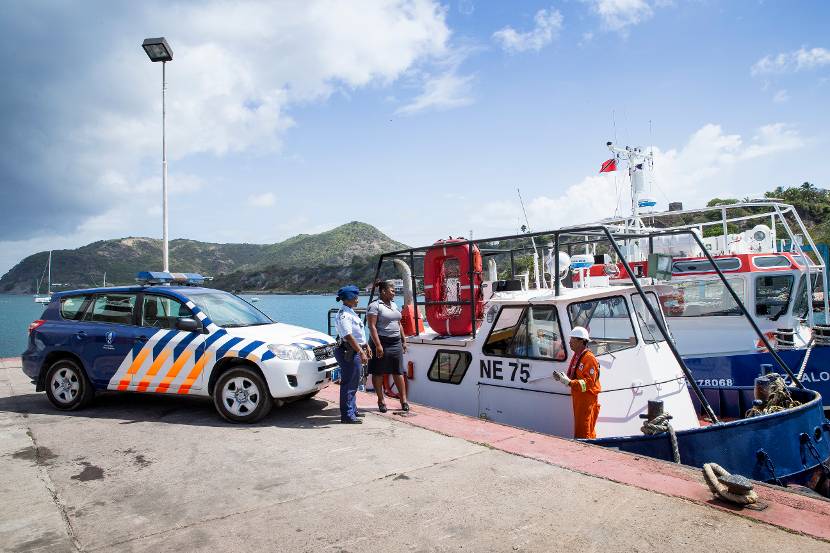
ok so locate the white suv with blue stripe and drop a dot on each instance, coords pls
(167, 338)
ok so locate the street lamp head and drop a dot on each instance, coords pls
(157, 49)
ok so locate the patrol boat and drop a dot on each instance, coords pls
(491, 346)
(771, 262)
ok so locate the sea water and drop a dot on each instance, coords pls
(16, 312)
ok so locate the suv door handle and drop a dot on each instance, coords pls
(80, 335)
(141, 338)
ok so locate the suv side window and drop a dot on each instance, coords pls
(163, 311)
(72, 307)
(112, 308)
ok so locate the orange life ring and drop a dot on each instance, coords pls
(771, 338)
(453, 254)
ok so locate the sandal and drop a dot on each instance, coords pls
(404, 406)
(382, 407)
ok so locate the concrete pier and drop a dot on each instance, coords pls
(147, 473)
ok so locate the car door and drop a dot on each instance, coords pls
(175, 353)
(111, 334)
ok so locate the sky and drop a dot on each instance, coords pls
(420, 117)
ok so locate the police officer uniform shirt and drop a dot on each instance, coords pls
(348, 322)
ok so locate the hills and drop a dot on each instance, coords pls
(306, 262)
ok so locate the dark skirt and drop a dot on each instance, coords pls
(392, 361)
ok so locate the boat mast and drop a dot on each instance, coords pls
(637, 160)
(49, 273)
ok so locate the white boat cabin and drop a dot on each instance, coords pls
(504, 373)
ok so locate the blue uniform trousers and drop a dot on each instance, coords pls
(350, 369)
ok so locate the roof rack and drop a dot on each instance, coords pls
(150, 278)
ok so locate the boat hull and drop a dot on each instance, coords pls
(787, 447)
(742, 369)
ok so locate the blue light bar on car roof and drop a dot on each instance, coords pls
(158, 277)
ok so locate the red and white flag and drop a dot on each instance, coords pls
(608, 166)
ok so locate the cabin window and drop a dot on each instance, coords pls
(163, 312)
(112, 308)
(72, 307)
(703, 298)
(532, 332)
(800, 307)
(769, 261)
(449, 366)
(608, 322)
(648, 327)
(772, 295)
(703, 265)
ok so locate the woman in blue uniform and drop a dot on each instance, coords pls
(351, 353)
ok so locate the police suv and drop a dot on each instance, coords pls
(167, 335)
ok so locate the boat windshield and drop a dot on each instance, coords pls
(801, 305)
(227, 310)
(703, 298)
(772, 295)
(608, 322)
(648, 326)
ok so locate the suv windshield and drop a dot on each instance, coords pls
(227, 310)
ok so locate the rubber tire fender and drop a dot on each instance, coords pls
(86, 393)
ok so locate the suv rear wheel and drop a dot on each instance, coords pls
(241, 395)
(67, 386)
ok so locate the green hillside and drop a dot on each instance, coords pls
(304, 262)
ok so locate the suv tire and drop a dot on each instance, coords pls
(241, 395)
(67, 386)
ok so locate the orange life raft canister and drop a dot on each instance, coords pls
(447, 277)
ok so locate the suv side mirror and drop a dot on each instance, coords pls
(188, 325)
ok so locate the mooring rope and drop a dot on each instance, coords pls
(658, 425)
(713, 472)
(779, 399)
(807, 353)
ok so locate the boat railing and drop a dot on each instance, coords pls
(773, 211)
(582, 236)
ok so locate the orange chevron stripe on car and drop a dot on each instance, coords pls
(174, 371)
(134, 367)
(194, 374)
(151, 372)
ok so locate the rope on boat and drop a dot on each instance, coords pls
(807, 353)
(741, 491)
(779, 399)
(659, 425)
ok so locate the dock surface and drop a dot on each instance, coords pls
(138, 472)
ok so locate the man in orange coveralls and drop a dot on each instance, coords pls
(583, 379)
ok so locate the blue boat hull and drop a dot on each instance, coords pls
(785, 447)
(742, 369)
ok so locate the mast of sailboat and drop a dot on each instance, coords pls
(532, 241)
(49, 275)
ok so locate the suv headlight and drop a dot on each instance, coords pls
(291, 353)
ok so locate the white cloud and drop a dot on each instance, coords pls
(548, 24)
(235, 75)
(789, 62)
(618, 15)
(780, 97)
(266, 199)
(699, 171)
(441, 92)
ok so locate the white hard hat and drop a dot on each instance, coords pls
(580, 332)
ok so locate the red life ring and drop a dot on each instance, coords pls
(771, 338)
(447, 265)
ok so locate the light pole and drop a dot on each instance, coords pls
(158, 50)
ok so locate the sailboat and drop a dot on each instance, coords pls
(48, 297)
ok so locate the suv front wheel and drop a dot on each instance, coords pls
(241, 395)
(67, 387)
